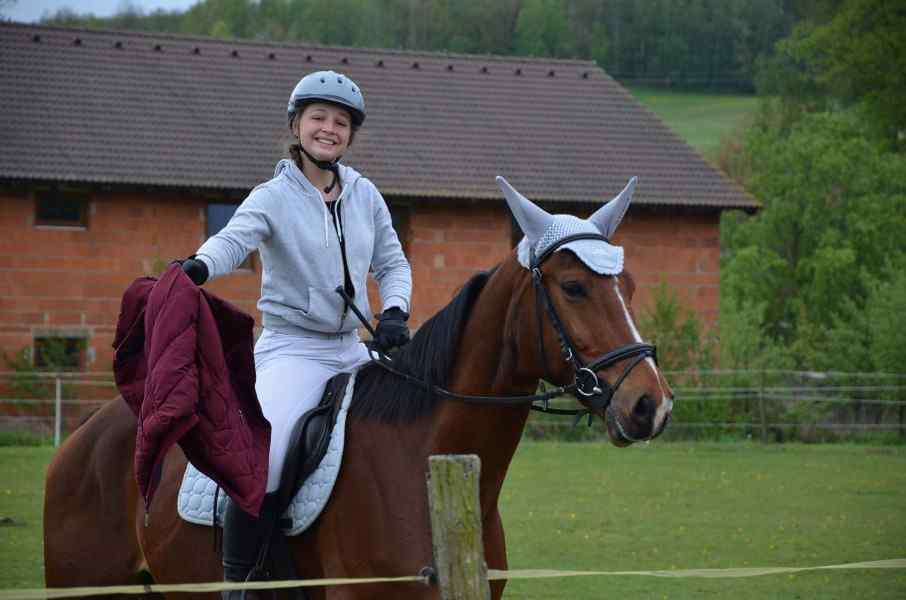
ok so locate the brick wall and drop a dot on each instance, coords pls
(70, 281)
(447, 245)
(681, 249)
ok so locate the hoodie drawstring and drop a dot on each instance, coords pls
(348, 286)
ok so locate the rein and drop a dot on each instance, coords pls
(586, 386)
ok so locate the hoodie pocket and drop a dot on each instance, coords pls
(324, 306)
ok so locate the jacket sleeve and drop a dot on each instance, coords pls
(391, 269)
(249, 226)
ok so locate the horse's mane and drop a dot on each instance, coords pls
(430, 355)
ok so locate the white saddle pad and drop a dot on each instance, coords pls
(196, 494)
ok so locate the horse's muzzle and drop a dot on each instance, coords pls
(645, 421)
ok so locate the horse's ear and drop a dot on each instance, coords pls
(608, 217)
(533, 220)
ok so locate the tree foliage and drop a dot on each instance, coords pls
(818, 273)
(857, 57)
(682, 342)
(819, 263)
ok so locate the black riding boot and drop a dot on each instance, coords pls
(243, 536)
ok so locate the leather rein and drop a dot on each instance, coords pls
(586, 385)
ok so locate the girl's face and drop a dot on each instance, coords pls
(324, 130)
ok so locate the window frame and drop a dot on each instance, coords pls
(62, 193)
(78, 339)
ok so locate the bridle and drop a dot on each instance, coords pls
(586, 386)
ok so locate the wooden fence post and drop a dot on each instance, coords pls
(456, 527)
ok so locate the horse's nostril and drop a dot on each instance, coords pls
(644, 410)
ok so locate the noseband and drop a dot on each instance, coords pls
(597, 394)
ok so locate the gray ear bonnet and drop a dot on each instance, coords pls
(328, 86)
(543, 230)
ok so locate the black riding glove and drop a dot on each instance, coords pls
(392, 330)
(195, 269)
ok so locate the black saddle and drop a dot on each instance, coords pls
(310, 438)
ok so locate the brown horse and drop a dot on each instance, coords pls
(485, 342)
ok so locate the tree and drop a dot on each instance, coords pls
(676, 331)
(833, 198)
(857, 57)
(542, 30)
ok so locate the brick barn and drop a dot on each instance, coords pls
(121, 151)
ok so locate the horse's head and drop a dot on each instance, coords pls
(580, 297)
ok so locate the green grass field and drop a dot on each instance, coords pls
(700, 119)
(22, 471)
(662, 506)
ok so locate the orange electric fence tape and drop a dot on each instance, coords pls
(34, 594)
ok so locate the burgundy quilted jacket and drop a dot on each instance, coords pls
(184, 364)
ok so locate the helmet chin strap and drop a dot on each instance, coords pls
(325, 165)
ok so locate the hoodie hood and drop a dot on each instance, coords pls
(288, 168)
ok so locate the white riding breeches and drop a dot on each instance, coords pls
(291, 374)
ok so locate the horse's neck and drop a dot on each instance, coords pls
(486, 365)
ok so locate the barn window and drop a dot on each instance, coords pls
(399, 215)
(217, 218)
(59, 353)
(59, 207)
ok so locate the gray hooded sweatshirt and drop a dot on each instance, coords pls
(288, 222)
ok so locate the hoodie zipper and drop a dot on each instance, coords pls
(339, 230)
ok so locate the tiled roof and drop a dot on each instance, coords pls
(164, 110)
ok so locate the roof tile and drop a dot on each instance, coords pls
(167, 110)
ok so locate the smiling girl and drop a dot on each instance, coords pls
(317, 225)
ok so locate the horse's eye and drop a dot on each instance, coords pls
(573, 289)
